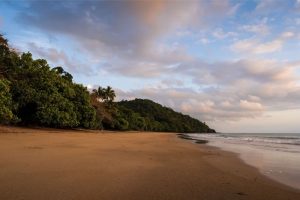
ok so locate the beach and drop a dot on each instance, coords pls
(275, 155)
(79, 164)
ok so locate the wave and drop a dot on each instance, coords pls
(276, 139)
(275, 155)
(281, 143)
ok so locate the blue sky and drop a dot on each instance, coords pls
(233, 64)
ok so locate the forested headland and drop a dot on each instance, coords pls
(34, 94)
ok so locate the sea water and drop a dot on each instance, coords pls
(275, 155)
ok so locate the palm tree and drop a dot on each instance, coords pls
(110, 94)
(101, 93)
(106, 95)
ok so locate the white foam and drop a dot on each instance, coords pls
(275, 155)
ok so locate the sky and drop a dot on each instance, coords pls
(234, 64)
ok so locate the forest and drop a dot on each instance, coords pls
(32, 93)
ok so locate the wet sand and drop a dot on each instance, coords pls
(61, 164)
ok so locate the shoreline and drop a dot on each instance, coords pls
(235, 154)
(278, 160)
(105, 165)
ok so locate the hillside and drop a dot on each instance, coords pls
(156, 117)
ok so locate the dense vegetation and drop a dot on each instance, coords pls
(33, 93)
(144, 114)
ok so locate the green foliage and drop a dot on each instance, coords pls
(106, 112)
(6, 114)
(86, 114)
(63, 73)
(106, 95)
(135, 121)
(45, 96)
(143, 114)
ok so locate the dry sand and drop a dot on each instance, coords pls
(54, 164)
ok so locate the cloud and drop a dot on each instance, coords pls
(198, 104)
(248, 105)
(126, 33)
(272, 6)
(59, 57)
(121, 24)
(236, 90)
(255, 46)
(204, 41)
(261, 28)
(138, 69)
(221, 34)
(230, 72)
(172, 82)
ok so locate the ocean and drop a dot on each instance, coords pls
(276, 155)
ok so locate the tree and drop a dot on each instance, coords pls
(3, 41)
(102, 100)
(5, 55)
(6, 114)
(144, 114)
(59, 70)
(109, 94)
(85, 112)
(43, 96)
(106, 95)
(100, 94)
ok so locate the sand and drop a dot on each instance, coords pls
(55, 164)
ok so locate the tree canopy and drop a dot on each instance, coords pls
(144, 114)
